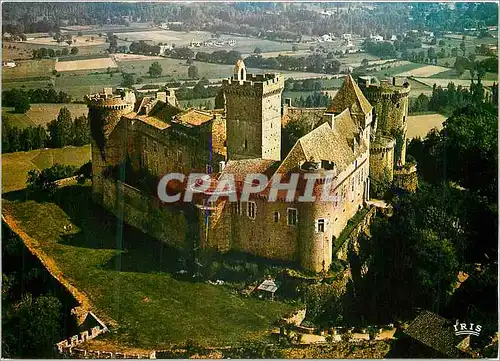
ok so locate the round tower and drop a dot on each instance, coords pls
(316, 229)
(382, 158)
(105, 112)
(390, 102)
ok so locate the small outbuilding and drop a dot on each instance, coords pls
(266, 289)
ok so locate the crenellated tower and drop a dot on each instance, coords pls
(390, 102)
(253, 114)
(105, 112)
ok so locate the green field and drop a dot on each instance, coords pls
(15, 166)
(41, 114)
(27, 69)
(450, 74)
(128, 281)
(396, 70)
(79, 84)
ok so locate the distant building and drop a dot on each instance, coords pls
(377, 38)
(164, 48)
(195, 43)
(326, 38)
(9, 64)
(347, 36)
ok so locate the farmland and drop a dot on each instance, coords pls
(28, 69)
(425, 71)
(15, 166)
(41, 114)
(420, 125)
(100, 63)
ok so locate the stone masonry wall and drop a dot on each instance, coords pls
(145, 213)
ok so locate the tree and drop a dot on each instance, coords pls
(65, 51)
(462, 47)
(193, 72)
(34, 326)
(21, 103)
(155, 70)
(431, 54)
(128, 80)
(364, 63)
(81, 131)
(61, 129)
(257, 50)
(74, 50)
(46, 180)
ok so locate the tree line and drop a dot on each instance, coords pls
(43, 53)
(445, 100)
(315, 63)
(21, 99)
(59, 133)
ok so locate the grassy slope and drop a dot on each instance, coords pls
(15, 166)
(128, 281)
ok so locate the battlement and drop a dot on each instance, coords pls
(372, 86)
(382, 144)
(118, 100)
(259, 83)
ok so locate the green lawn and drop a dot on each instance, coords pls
(15, 166)
(128, 279)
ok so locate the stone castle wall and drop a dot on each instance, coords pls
(382, 157)
(145, 213)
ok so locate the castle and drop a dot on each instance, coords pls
(359, 137)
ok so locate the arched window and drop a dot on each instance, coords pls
(242, 74)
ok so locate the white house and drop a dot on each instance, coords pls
(9, 64)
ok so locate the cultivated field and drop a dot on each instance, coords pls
(425, 71)
(15, 166)
(77, 41)
(26, 69)
(244, 45)
(41, 114)
(130, 283)
(87, 64)
(420, 125)
(130, 57)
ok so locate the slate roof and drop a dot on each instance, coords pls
(192, 117)
(334, 145)
(350, 96)
(241, 167)
(435, 332)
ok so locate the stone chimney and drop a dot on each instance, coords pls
(161, 96)
(222, 165)
(329, 118)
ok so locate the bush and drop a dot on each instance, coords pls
(45, 181)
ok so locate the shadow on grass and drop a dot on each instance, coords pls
(100, 229)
